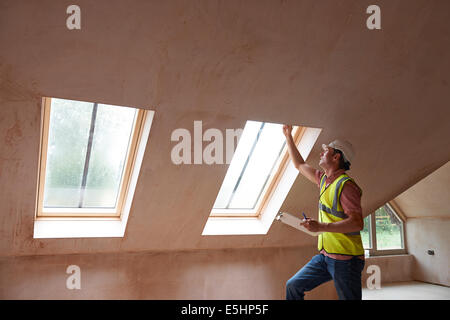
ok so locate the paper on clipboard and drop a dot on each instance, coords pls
(294, 222)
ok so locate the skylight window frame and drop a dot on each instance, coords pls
(88, 213)
(272, 183)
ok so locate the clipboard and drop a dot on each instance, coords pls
(293, 221)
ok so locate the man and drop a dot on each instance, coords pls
(341, 253)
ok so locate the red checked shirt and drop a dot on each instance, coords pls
(350, 202)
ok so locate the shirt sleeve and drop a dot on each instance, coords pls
(351, 198)
(319, 175)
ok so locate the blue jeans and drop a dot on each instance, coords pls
(345, 273)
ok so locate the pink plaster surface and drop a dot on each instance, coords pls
(205, 274)
(311, 63)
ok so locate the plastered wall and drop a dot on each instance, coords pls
(392, 269)
(201, 274)
(425, 234)
(204, 274)
(305, 62)
(427, 226)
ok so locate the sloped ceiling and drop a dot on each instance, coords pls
(310, 63)
(425, 199)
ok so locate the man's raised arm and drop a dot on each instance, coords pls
(305, 169)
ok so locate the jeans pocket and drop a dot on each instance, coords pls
(353, 266)
(360, 263)
(356, 266)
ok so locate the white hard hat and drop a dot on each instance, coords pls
(345, 147)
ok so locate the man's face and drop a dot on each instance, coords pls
(326, 157)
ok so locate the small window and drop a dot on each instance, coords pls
(389, 229)
(383, 232)
(87, 155)
(258, 160)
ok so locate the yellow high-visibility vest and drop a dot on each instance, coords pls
(330, 210)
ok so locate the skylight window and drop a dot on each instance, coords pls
(87, 155)
(259, 148)
(258, 179)
(256, 163)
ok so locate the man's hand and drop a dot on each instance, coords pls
(312, 225)
(306, 170)
(287, 130)
(350, 224)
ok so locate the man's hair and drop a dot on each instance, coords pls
(342, 163)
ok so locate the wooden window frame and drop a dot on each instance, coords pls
(374, 251)
(269, 188)
(115, 213)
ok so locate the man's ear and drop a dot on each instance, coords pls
(336, 156)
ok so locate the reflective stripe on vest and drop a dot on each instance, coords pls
(330, 210)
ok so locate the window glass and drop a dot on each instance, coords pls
(389, 229)
(66, 152)
(86, 153)
(243, 149)
(257, 152)
(109, 150)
